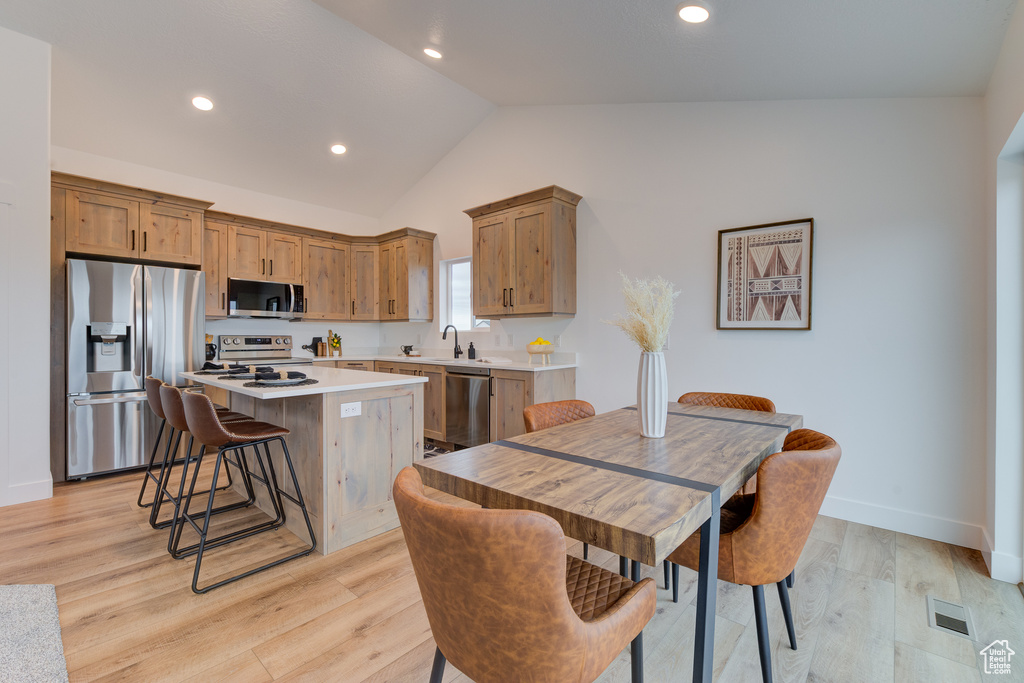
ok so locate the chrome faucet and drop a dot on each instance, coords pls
(444, 335)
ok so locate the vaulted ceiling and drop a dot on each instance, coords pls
(289, 78)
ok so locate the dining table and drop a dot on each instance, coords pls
(635, 496)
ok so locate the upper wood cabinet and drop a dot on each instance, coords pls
(171, 234)
(524, 255)
(260, 254)
(121, 222)
(364, 272)
(407, 277)
(284, 258)
(215, 265)
(326, 268)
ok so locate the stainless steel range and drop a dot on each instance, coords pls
(262, 348)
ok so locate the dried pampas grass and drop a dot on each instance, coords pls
(649, 309)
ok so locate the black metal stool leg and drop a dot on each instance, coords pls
(623, 566)
(586, 549)
(269, 477)
(675, 582)
(667, 565)
(149, 467)
(437, 671)
(165, 476)
(791, 579)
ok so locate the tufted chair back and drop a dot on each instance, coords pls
(791, 487)
(544, 415)
(741, 401)
(494, 587)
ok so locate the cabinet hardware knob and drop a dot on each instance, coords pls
(511, 297)
(504, 297)
(271, 266)
(223, 300)
(145, 240)
(353, 306)
(263, 266)
(133, 240)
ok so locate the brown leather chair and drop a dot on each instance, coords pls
(504, 601)
(762, 535)
(545, 415)
(740, 401)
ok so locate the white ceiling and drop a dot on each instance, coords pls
(290, 77)
(529, 52)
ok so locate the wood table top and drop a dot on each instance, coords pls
(610, 487)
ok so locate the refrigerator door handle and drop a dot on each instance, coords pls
(107, 401)
(139, 314)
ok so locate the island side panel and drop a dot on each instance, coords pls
(303, 417)
(363, 455)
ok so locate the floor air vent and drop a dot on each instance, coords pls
(950, 618)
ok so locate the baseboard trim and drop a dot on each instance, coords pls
(27, 492)
(906, 522)
(1001, 566)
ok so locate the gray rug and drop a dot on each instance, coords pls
(30, 647)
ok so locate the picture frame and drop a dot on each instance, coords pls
(764, 276)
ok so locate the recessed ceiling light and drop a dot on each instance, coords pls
(338, 149)
(203, 103)
(431, 52)
(694, 14)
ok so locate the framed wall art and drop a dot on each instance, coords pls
(764, 276)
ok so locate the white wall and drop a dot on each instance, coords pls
(24, 268)
(225, 197)
(895, 365)
(1004, 106)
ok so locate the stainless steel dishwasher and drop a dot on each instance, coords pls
(467, 405)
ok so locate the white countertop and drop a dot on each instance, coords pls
(433, 360)
(329, 380)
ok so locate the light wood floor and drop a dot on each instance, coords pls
(127, 613)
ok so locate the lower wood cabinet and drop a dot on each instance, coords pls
(433, 393)
(365, 365)
(513, 390)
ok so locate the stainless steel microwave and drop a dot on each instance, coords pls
(261, 299)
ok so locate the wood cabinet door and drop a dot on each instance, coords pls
(490, 265)
(247, 258)
(530, 285)
(433, 401)
(365, 269)
(382, 366)
(419, 279)
(171, 234)
(326, 274)
(98, 224)
(284, 258)
(215, 265)
(387, 281)
(511, 392)
(400, 286)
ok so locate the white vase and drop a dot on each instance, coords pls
(652, 394)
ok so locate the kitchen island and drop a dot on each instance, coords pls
(351, 433)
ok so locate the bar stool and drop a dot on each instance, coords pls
(232, 439)
(170, 400)
(153, 399)
(153, 385)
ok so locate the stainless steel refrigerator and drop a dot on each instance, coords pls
(125, 321)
